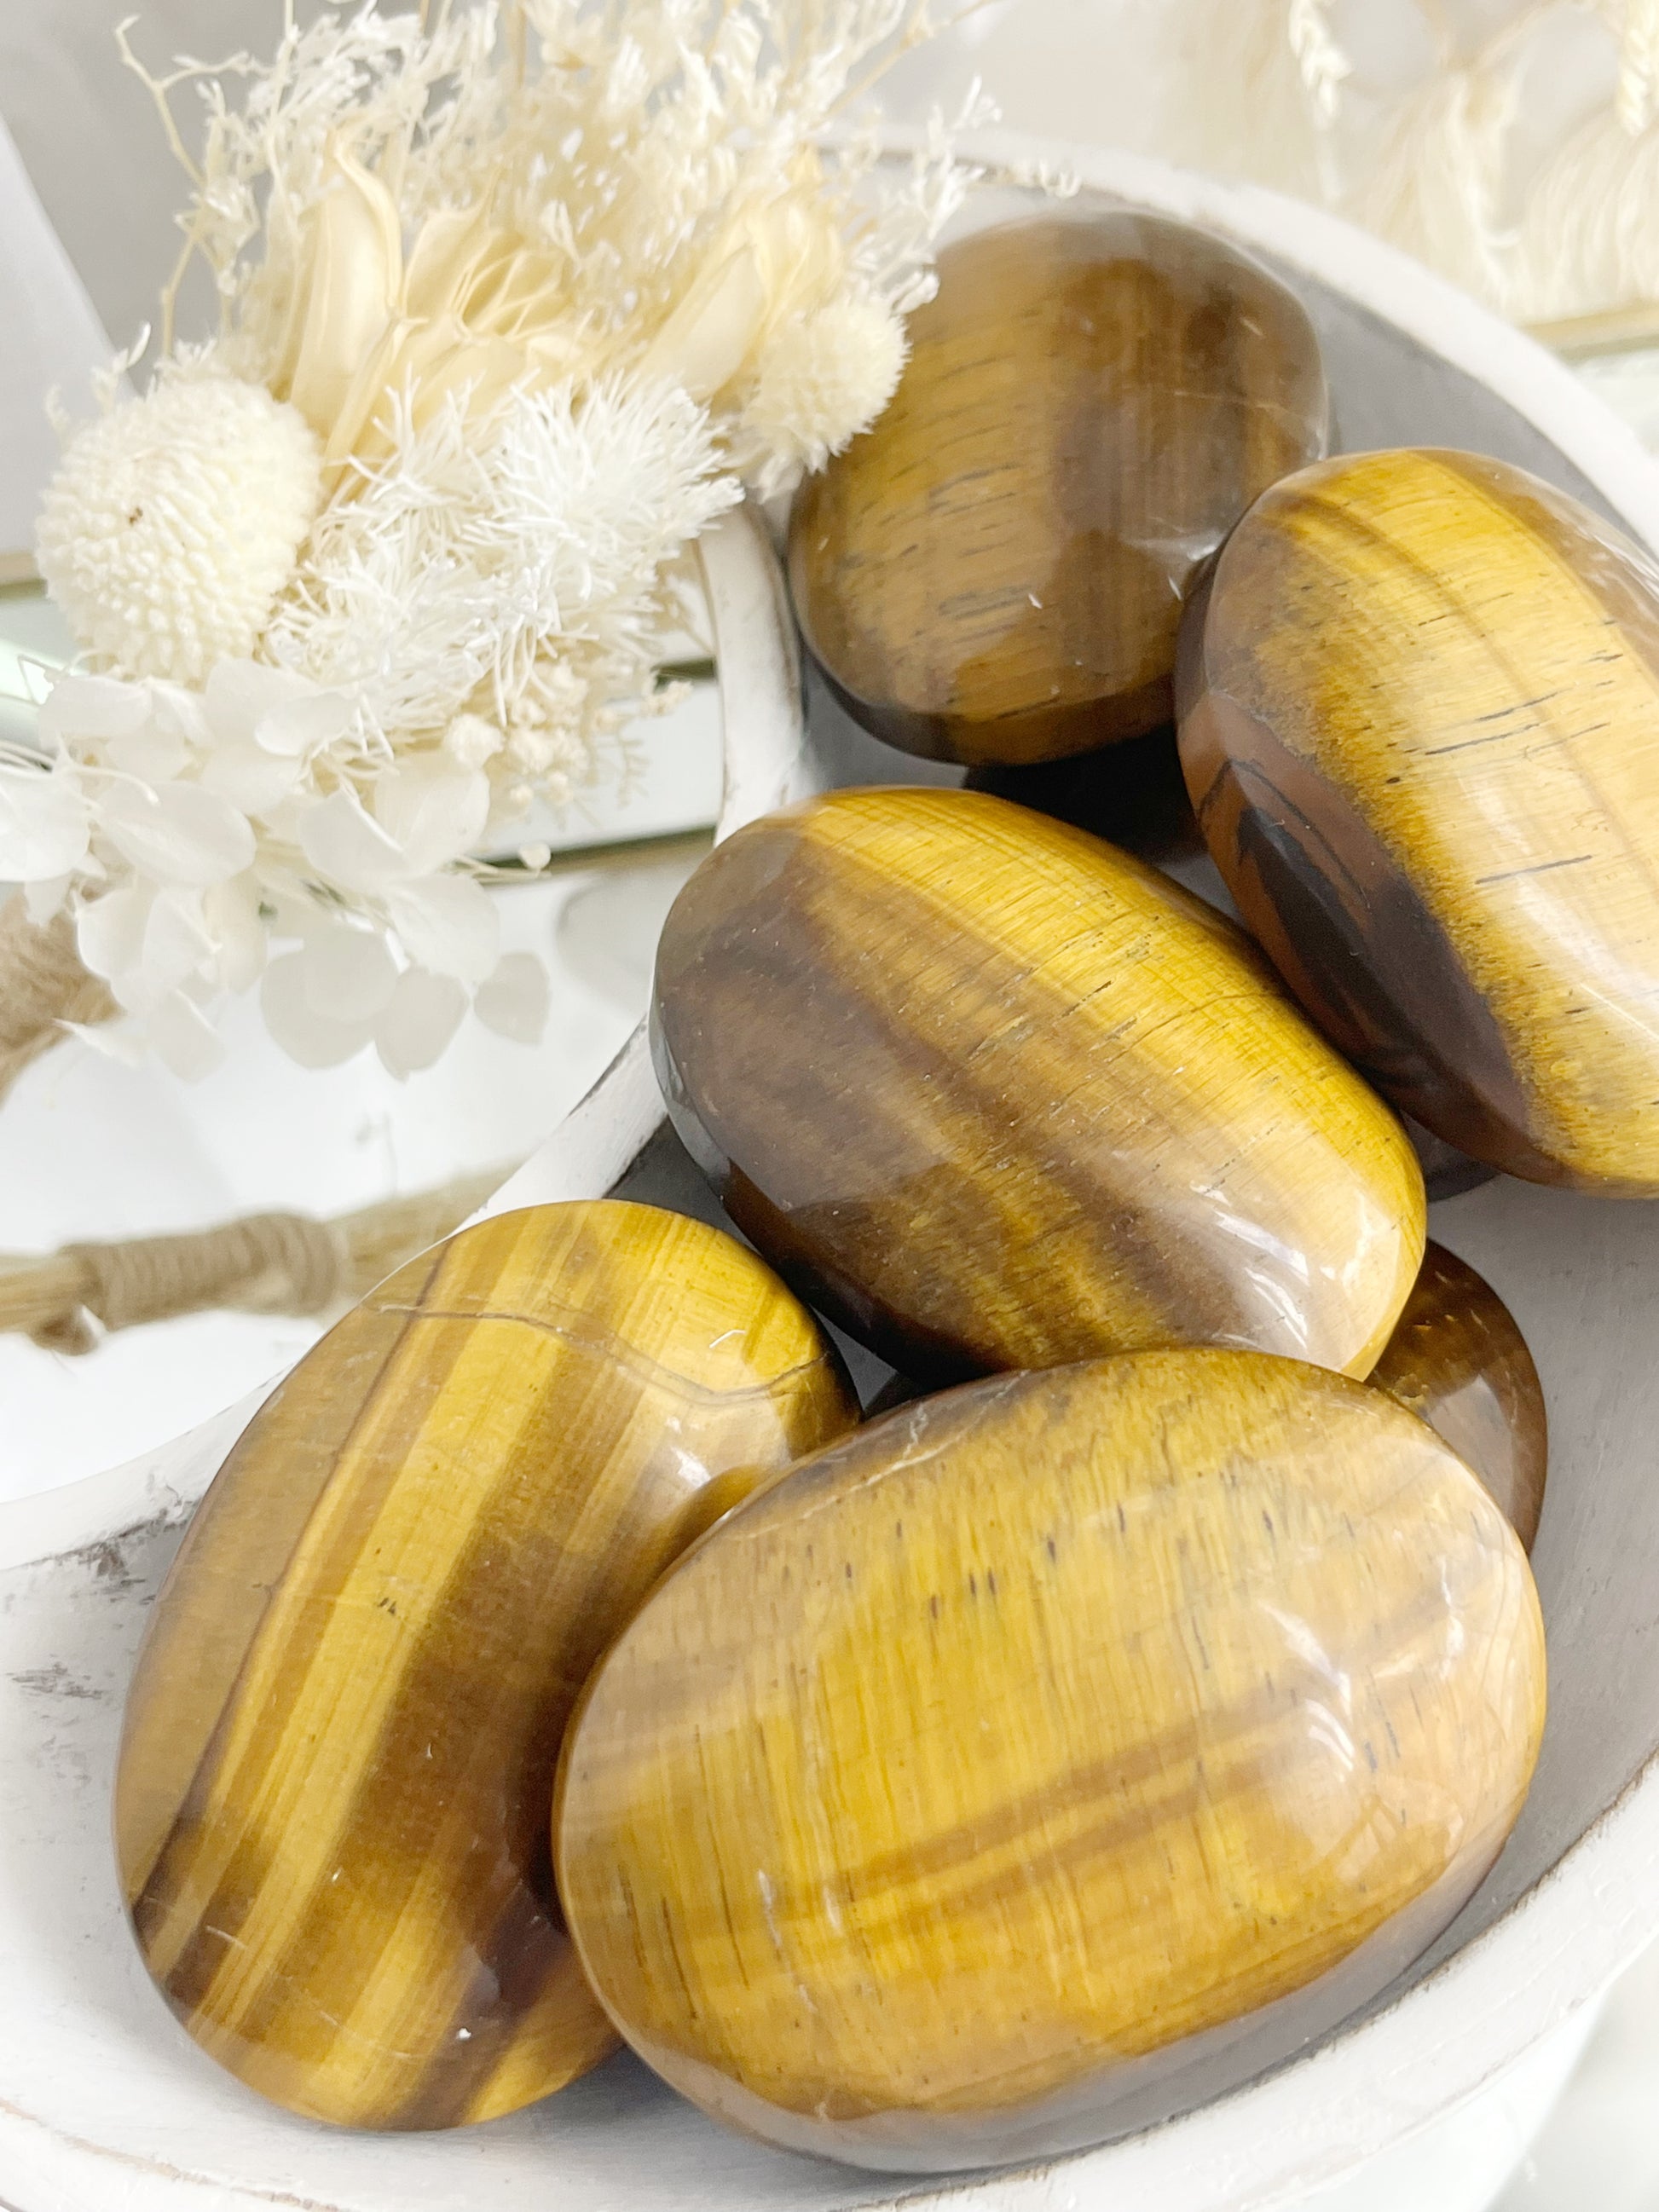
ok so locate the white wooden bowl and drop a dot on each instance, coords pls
(1425, 2101)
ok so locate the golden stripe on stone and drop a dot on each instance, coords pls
(995, 1095)
(332, 1796)
(959, 1798)
(994, 572)
(1420, 723)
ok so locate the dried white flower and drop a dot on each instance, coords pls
(472, 742)
(655, 188)
(172, 523)
(179, 890)
(1325, 67)
(507, 573)
(1513, 146)
(819, 381)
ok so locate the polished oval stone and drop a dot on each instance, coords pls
(1459, 1360)
(1421, 723)
(995, 571)
(961, 1797)
(1131, 793)
(332, 1800)
(993, 1094)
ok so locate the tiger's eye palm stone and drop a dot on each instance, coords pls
(1420, 725)
(332, 1799)
(995, 571)
(962, 1794)
(1458, 1359)
(994, 1094)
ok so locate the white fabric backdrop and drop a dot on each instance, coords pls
(87, 131)
(52, 335)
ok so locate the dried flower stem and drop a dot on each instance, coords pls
(268, 1263)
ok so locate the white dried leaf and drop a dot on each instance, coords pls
(514, 1000)
(424, 1014)
(152, 754)
(177, 943)
(231, 912)
(300, 725)
(45, 898)
(347, 847)
(184, 1038)
(255, 782)
(304, 1034)
(109, 932)
(348, 973)
(240, 693)
(179, 833)
(448, 924)
(92, 706)
(434, 812)
(123, 1040)
(45, 825)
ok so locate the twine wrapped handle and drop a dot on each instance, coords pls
(285, 1263)
(268, 1263)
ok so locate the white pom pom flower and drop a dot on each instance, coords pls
(820, 381)
(174, 523)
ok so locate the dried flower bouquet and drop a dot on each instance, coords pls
(515, 299)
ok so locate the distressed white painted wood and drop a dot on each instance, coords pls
(1430, 2098)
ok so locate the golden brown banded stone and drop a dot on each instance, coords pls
(960, 1795)
(995, 571)
(332, 1801)
(1420, 723)
(994, 1094)
(1458, 1359)
(1131, 793)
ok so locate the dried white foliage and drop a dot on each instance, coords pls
(428, 598)
(1516, 149)
(1321, 62)
(818, 380)
(560, 190)
(514, 299)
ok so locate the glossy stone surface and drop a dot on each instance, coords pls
(993, 1094)
(1459, 1360)
(1131, 793)
(1421, 723)
(958, 1798)
(994, 572)
(333, 1802)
